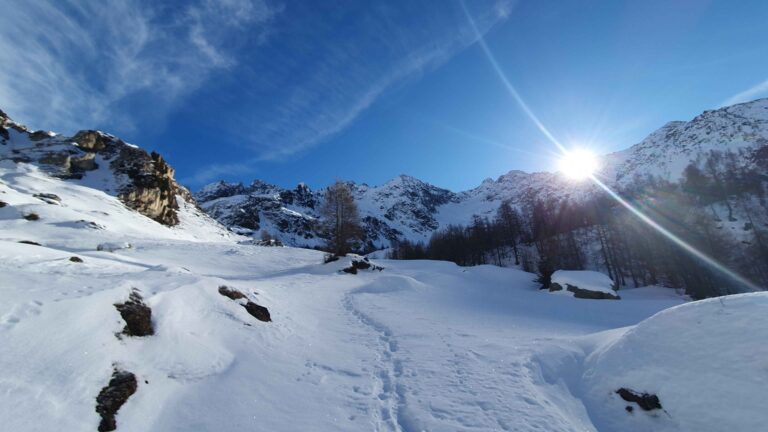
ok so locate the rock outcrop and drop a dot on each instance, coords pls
(114, 395)
(583, 293)
(142, 181)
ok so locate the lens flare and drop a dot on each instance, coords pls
(711, 262)
(578, 164)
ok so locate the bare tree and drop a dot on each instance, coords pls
(340, 219)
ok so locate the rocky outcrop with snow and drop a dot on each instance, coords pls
(408, 208)
(142, 181)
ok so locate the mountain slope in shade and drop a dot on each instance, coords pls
(408, 208)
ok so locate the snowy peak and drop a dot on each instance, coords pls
(666, 152)
(406, 207)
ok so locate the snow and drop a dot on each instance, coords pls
(422, 345)
(695, 357)
(584, 279)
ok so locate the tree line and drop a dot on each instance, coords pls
(718, 209)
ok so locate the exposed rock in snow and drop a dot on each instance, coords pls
(142, 181)
(137, 316)
(121, 386)
(583, 284)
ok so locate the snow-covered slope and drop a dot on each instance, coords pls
(420, 345)
(408, 208)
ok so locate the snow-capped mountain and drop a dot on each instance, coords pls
(408, 208)
(124, 307)
(113, 171)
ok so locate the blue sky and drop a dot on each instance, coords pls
(289, 91)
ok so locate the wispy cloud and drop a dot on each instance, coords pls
(279, 78)
(757, 91)
(345, 72)
(70, 64)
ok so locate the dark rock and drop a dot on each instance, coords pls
(329, 258)
(31, 216)
(583, 293)
(121, 386)
(363, 264)
(629, 408)
(48, 198)
(76, 259)
(646, 401)
(39, 135)
(29, 242)
(259, 312)
(350, 270)
(137, 316)
(231, 293)
(3, 204)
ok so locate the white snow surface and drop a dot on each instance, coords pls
(421, 345)
(584, 279)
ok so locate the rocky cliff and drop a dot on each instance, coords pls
(142, 181)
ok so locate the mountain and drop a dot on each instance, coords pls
(407, 208)
(128, 189)
(124, 307)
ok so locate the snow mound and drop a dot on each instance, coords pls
(706, 361)
(584, 280)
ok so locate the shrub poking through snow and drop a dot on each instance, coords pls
(137, 316)
(32, 217)
(257, 311)
(121, 386)
(75, 259)
(231, 293)
(646, 401)
(30, 242)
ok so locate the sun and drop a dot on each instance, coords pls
(578, 164)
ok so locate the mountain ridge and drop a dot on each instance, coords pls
(406, 207)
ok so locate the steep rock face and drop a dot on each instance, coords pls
(406, 207)
(142, 181)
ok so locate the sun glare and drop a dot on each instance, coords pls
(578, 164)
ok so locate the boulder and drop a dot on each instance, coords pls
(257, 311)
(646, 401)
(583, 284)
(137, 316)
(231, 293)
(121, 386)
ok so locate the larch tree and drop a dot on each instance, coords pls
(340, 219)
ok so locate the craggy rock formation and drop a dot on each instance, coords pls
(122, 385)
(142, 181)
(137, 316)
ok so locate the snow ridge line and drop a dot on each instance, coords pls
(391, 397)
